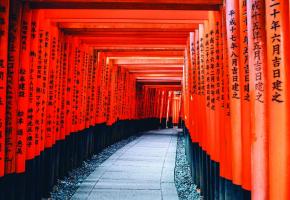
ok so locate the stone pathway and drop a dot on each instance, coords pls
(141, 170)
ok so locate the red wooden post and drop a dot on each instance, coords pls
(12, 86)
(258, 85)
(277, 90)
(233, 38)
(4, 15)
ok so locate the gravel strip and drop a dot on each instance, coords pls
(66, 187)
(186, 189)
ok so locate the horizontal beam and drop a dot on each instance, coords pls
(146, 57)
(139, 48)
(97, 33)
(132, 44)
(99, 46)
(62, 14)
(137, 1)
(160, 80)
(160, 77)
(91, 32)
(173, 85)
(144, 53)
(128, 26)
(148, 61)
(125, 20)
(155, 75)
(154, 65)
(132, 40)
(153, 71)
(127, 5)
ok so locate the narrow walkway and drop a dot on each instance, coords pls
(141, 170)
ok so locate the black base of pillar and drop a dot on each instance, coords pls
(222, 188)
(20, 186)
(246, 195)
(54, 163)
(206, 175)
(9, 186)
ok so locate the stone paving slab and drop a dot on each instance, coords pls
(141, 170)
(104, 194)
(128, 184)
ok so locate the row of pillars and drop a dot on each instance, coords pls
(236, 98)
(61, 101)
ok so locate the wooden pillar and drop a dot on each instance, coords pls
(277, 75)
(258, 64)
(4, 16)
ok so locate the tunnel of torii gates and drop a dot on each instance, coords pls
(77, 76)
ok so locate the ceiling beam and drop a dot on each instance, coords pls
(127, 5)
(91, 33)
(160, 79)
(146, 53)
(152, 71)
(165, 45)
(155, 66)
(171, 57)
(62, 14)
(174, 84)
(133, 40)
(139, 48)
(157, 76)
(129, 26)
(149, 61)
(125, 20)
